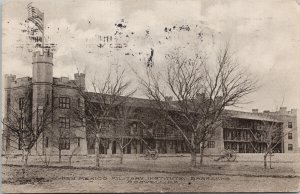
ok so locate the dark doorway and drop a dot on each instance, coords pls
(141, 147)
(114, 147)
(102, 147)
(128, 148)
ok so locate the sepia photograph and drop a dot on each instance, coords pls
(150, 96)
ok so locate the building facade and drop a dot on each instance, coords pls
(240, 131)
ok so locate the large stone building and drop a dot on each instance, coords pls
(240, 130)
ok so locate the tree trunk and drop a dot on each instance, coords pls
(70, 160)
(46, 160)
(265, 160)
(121, 159)
(201, 155)
(97, 153)
(193, 152)
(25, 162)
(26, 158)
(270, 161)
(59, 155)
(193, 158)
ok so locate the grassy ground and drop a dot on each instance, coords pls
(80, 180)
(244, 165)
(136, 174)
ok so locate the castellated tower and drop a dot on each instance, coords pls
(42, 80)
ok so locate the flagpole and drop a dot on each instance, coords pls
(43, 35)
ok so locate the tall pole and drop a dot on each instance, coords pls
(43, 34)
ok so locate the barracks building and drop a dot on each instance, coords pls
(239, 132)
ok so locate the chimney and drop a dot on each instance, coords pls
(294, 111)
(283, 110)
(255, 110)
(64, 79)
(80, 80)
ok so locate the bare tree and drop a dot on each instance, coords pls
(75, 150)
(271, 133)
(100, 105)
(124, 133)
(25, 125)
(200, 94)
(62, 139)
(46, 156)
(6, 148)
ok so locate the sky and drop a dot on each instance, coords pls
(264, 36)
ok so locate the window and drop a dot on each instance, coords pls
(290, 147)
(78, 141)
(134, 144)
(290, 125)
(211, 144)
(64, 102)
(133, 130)
(91, 143)
(8, 101)
(79, 102)
(47, 100)
(21, 103)
(64, 122)
(211, 131)
(83, 121)
(290, 136)
(47, 142)
(64, 143)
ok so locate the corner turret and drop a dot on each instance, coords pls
(8, 79)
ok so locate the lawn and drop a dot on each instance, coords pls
(168, 174)
(83, 180)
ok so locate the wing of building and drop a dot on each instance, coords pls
(239, 130)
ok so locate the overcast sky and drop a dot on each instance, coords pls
(264, 35)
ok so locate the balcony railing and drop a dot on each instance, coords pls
(167, 136)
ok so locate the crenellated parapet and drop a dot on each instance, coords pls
(282, 111)
(23, 81)
(79, 81)
(45, 57)
(8, 80)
